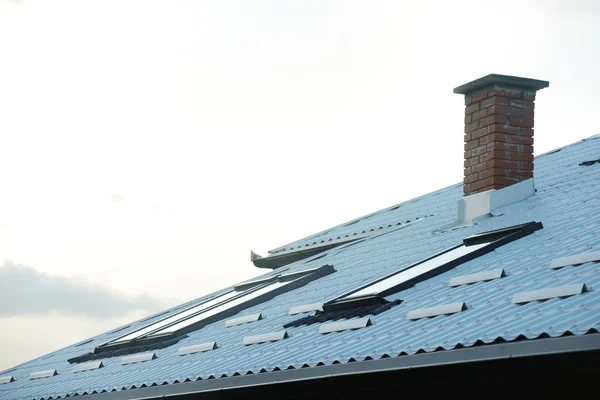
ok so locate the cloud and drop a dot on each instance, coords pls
(25, 291)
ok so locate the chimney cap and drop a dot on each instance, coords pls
(507, 80)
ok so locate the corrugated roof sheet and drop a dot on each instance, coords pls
(567, 203)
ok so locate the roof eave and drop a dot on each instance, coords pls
(526, 348)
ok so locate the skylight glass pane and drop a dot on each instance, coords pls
(216, 310)
(419, 269)
(179, 316)
(225, 305)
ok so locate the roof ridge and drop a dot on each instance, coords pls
(315, 236)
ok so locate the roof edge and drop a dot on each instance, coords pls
(526, 348)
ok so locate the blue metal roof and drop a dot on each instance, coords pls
(567, 202)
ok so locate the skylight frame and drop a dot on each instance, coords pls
(494, 239)
(282, 283)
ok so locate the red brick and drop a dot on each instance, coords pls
(471, 144)
(505, 181)
(527, 165)
(478, 185)
(471, 161)
(515, 173)
(479, 150)
(479, 96)
(498, 137)
(527, 131)
(503, 146)
(522, 104)
(467, 171)
(483, 157)
(521, 157)
(503, 110)
(517, 94)
(467, 137)
(467, 154)
(483, 139)
(471, 127)
(467, 119)
(478, 167)
(494, 119)
(480, 114)
(503, 155)
(492, 172)
(527, 113)
(497, 163)
(529, 96)
(481, 183)
(468, 100)
(528, 123)
(519, 139)
(471, 178)
(471, 108)
(503, 101)
(478, 133)
(527, 148)
(504, 129)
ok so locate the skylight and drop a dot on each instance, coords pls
(472, 247)
(227, 304)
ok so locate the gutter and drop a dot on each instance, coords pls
(526, 348)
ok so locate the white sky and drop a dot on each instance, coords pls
(147, 146)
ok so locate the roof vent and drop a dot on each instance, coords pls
(306, 308)
(478, 277)
(243, 320)
(6, 379)
(87, 366)
(575, 260)
(197, 348)
(445, 309)
(345, 325)
(136, 358)
(265, 337)
(549, 293)
(43, 374)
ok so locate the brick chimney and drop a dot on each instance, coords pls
(498, 131)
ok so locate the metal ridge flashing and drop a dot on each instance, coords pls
(282, 256)
(576, 259)
(444, 309)
(43, 374)
(87, 366)
(136, 358)
(526, 348)
(197, 348)
(265, 337)
(549, 293)
(346, 325)
(304, 308)
(243, 320)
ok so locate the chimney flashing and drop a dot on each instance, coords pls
(479, 204)
(504, 80)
